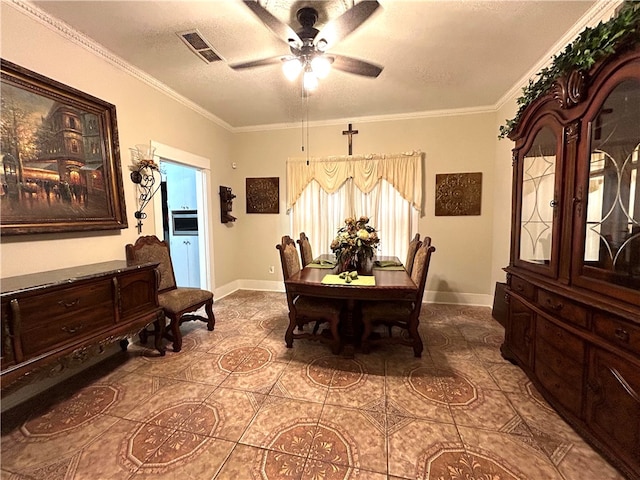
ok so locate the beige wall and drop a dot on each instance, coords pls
(461, 267)
(244, 250)
(143, 114)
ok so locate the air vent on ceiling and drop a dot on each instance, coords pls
(198, 45)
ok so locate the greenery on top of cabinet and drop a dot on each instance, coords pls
(591, 46)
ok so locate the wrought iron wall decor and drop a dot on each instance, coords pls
(143, 174)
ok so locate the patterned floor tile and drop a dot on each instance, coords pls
(251, 463)
(237, 404)
(224, 414)
(489, 454)
(284, 425)
(415, 443)
(174, 402)
(350, 437)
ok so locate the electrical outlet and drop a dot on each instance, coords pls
(272, 269)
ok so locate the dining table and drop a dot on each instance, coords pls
(390, 281)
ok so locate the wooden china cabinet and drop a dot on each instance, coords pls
(573, 280)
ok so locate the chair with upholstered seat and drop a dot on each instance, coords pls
(402, 314)
(306, 253)
(303, 309)
(178, 303)
(411, 252)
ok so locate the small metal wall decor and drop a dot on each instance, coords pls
(263, 195)
(458, 194)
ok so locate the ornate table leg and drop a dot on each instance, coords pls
(159, 332)
(348, 330)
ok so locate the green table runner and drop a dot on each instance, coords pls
(364, 280)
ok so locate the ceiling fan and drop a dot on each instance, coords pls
(309, 45)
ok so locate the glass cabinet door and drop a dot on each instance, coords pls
(538, 171)
(611, 191)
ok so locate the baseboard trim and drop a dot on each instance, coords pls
(454, 298)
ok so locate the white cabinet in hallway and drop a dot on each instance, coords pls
(185, 257)
(181, 188)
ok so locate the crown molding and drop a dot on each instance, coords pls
(78, 38)
(601, 10)
(372, 119)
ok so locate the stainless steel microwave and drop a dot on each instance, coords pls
(185, 222)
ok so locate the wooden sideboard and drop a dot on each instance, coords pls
(55, 319)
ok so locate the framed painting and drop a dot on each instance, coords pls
(263, 195)
(59, 157)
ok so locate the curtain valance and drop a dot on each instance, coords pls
(402, 170)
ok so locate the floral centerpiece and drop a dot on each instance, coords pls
(355, 244)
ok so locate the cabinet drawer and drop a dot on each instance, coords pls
(570, 345)
(618, 331)
(68, 328)
(566, 394)
(563, 308)
(521, 287)
(40, 310)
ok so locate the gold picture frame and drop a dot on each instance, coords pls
(59, 158)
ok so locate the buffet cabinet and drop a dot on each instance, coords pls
(573, 280)
(51, 320)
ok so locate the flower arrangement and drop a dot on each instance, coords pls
(355, 242)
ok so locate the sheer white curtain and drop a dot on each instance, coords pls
(319, 214)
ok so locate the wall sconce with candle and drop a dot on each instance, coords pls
(143, 173)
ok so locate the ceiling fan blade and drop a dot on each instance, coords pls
(353, 65)
(257, 63)
(281, 30)
(337, 29)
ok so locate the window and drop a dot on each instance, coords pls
(319, 212)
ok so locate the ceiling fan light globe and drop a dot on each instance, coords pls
(292, 68)
(309, 81)
(321, 66)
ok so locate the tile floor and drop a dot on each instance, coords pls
(237, 404)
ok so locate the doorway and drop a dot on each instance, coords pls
(184, 206)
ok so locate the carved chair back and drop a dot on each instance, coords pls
(148, 249)
(288, 257)
(306, 253)
(411, 253)
(420, 270)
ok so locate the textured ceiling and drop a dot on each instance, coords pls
(437, 55)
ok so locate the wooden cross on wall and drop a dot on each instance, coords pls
(351, 133)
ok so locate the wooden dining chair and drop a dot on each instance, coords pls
(411, 253)
(304, 309)
(178, 303)
(306, 253)
(402, 314)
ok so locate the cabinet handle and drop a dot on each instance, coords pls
(73, 303)
(621, 380)
(553, 203)
(622, 335)
(554, 306)
(72, 330)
